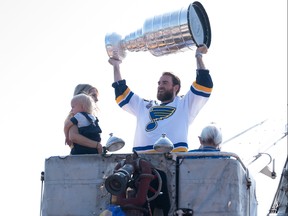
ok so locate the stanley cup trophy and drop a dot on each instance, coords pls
(164, 34)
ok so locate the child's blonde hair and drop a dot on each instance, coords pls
(86, 101)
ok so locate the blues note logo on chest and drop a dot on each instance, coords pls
(158, 113)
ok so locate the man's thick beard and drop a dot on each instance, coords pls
(167, 96)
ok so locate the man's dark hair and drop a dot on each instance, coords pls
(175, 79)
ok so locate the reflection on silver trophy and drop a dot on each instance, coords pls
(164, 34)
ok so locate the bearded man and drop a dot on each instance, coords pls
(173, 114)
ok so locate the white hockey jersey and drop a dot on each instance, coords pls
(172, 119)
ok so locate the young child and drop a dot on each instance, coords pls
(87, 123)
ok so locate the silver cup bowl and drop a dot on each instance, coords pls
(164, 34)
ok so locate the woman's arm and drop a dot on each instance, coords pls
(68, 124)
(75, 137)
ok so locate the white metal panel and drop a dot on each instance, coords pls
(215, 187)
(74, 185)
